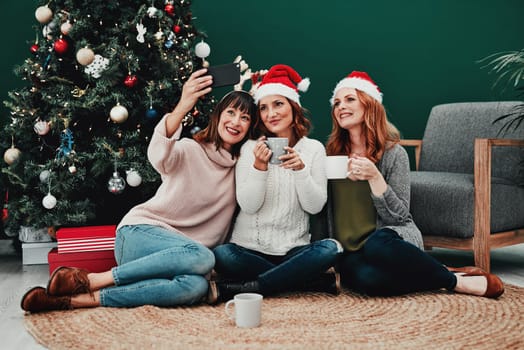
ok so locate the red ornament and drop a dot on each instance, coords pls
(5, 209)
(177, 28)
(130, 81)
(170, 9)
(60, 46)
(34, 48)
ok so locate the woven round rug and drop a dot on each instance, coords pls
(437, 320)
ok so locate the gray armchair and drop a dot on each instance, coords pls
(467, 191)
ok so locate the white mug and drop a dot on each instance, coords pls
(336, 167)
(248, 307)
(276, 145)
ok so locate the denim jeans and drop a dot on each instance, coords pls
(387, 265)
(277, 273)
(157, 267)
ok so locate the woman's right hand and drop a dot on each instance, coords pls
(262, 154)
(198, 84)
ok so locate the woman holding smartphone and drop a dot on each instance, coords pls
(162, 246)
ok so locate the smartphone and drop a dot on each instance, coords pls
(225, 74)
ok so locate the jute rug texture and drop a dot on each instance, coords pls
(437, 320)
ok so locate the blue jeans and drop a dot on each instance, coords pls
(387, 265)
(277, 274)
(157, 267)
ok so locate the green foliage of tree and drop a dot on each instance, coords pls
(84, 145)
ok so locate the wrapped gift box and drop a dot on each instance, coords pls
(36, 252)
(96, 261)
(86, 238)
(31, 234)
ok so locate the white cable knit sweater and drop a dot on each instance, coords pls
(275, 204)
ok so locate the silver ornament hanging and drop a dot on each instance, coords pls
(44, 176)
(116, 184)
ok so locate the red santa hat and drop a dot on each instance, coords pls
(281, 80)
(359, 81)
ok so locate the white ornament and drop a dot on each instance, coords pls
(49, 201)
(44, 176)
(41, 127)
(133, 178)
(159, 35)
(96, 68)
(152, 12)
(85, 56)
(65, 28)
(11, 155)
(141, 29)
(202, 49)
(43, 14)
(72, 169)
(118, 114)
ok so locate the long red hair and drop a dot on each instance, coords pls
(378, 132)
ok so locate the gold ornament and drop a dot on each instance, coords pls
(85, 56)
(43, 14)
(118, 113)
(11, 155)
(78, 92)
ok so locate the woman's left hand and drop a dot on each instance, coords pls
(361, 168)
(291, 160)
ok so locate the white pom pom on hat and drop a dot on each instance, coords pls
(359, 81)
(282, 80)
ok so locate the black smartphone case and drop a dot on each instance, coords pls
(226, 74)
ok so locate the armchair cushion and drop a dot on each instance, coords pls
(442, 203)
(450, 133)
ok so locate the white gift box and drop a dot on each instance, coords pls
(32, 234)
(36, 252)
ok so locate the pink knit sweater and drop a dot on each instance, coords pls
(197, 194)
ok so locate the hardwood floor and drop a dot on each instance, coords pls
(16, 278)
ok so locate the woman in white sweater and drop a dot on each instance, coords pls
(270, 250)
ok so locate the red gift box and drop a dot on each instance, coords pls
(98, 261)
(85, 239)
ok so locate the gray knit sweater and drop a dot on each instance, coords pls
(393, 206)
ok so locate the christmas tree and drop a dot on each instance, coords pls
(100, 75)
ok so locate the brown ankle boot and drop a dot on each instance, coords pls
(37, 300)
(68, 281)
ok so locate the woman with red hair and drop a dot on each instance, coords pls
(383, 249)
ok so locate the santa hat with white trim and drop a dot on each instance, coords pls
(360, 81)
(281, 80)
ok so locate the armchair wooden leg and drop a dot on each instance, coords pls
(482, 203)
(482, 257)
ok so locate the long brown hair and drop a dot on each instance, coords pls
(300, 127)
(235, 99)
(378, 132)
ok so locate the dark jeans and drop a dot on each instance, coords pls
(276, 273)
(387, 265)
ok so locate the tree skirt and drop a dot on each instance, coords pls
(437, 320)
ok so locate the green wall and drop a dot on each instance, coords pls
(420, 52)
